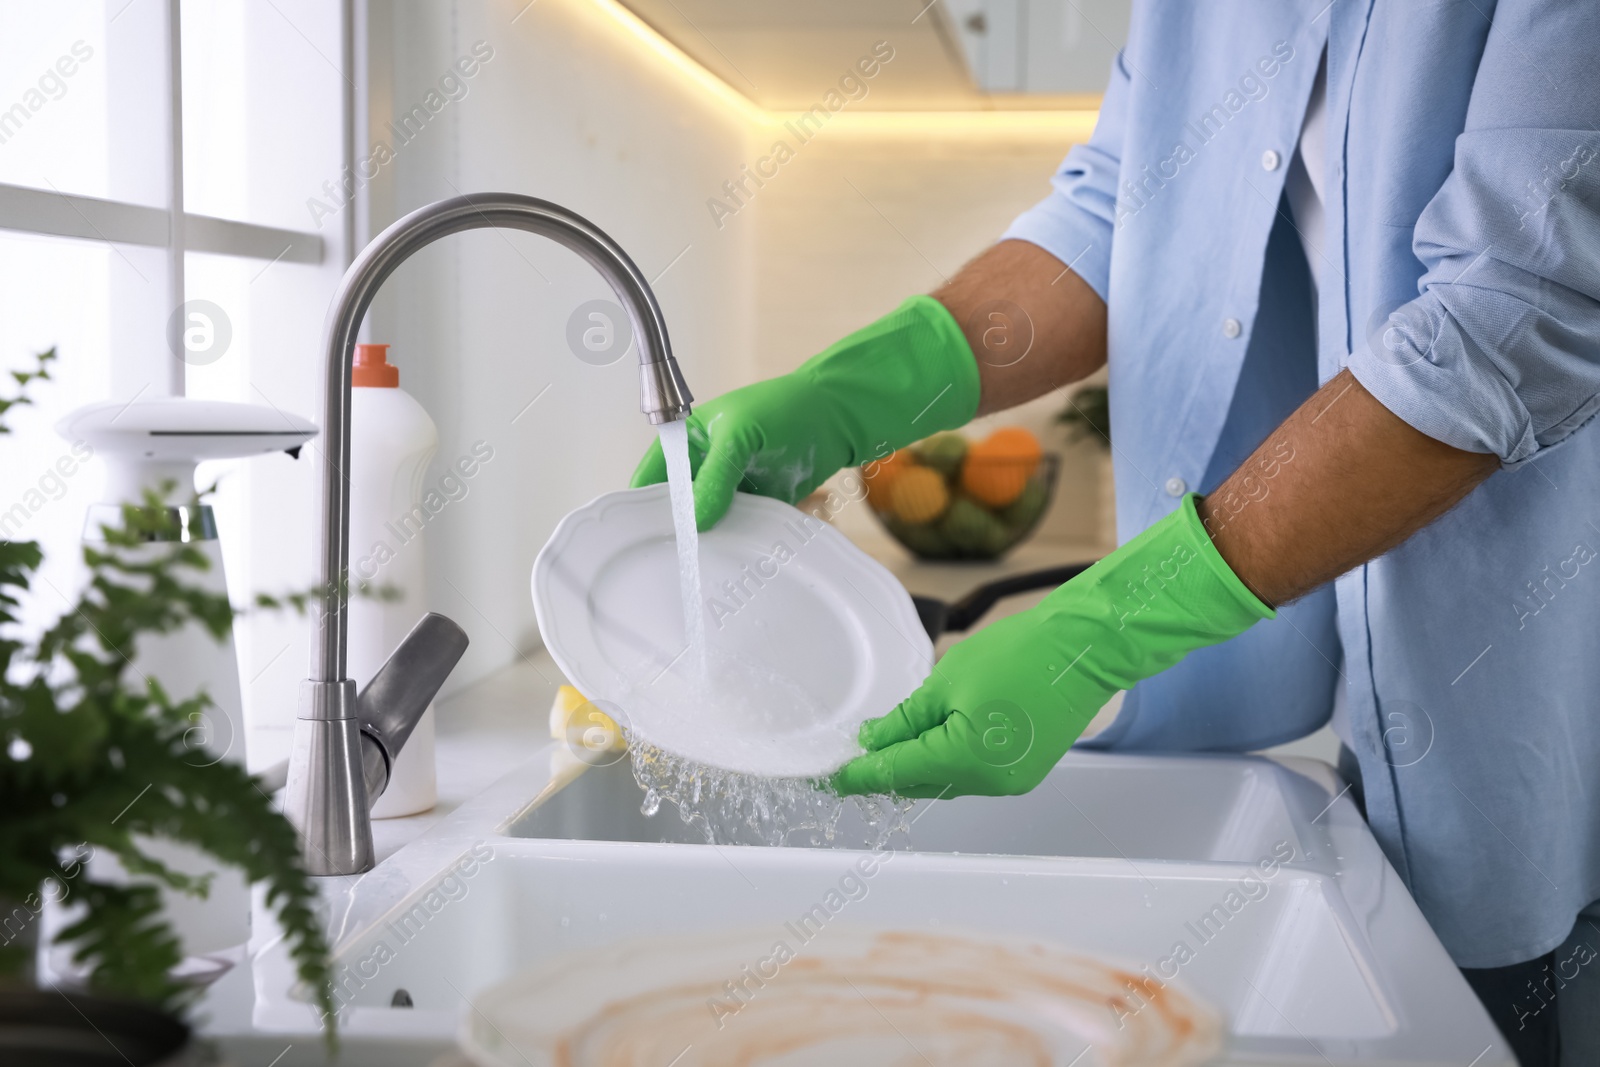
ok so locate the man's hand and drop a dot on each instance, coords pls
(772, 438)
(905, 376)
(987, 721)
(1004, 705)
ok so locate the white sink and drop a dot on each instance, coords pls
(1327, 960)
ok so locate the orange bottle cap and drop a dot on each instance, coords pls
(372, 369)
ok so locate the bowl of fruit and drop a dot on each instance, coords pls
(948, 498)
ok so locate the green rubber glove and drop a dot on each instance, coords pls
(908, 375)
(1004, 705)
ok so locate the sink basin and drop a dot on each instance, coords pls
(1294, 926)
(1133, 807)
(1094, 906)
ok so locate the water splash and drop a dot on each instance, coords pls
(675, 448)
(742, 809)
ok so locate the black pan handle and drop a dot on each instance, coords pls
(939, 617)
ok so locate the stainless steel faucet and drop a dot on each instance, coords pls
(344, 744)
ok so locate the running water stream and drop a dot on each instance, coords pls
(675, 447)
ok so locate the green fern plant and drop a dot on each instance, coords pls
(91, 760)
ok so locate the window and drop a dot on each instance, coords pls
(99, 142)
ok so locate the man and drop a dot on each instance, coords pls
(1413, 542)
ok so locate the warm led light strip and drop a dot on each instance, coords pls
(1072, 124)
(677, 60)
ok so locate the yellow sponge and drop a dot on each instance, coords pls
(585, 728)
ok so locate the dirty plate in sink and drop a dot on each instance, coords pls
(809, 636)
(857, 997)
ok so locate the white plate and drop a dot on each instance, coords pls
(855, 997)
(816, 636)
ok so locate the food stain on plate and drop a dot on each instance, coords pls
(847, 997)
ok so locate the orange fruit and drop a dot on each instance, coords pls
(879, 474)
(998, 467)
(918, 494)
(1014, 442)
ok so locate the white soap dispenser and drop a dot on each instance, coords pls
(392, 439)
(151, 446)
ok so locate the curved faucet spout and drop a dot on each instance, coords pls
(326, 794)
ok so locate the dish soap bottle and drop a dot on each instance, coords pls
(392, 439)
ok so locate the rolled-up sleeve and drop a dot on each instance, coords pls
(1075, 222)
(1500, 351)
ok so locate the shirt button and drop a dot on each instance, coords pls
(1176, 486)
(1270, 160)
(1231, 328)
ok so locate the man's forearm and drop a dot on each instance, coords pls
(1342, 481)
(1032, 323)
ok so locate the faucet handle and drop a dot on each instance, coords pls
(390, 705)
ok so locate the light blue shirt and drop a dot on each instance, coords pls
(1460, 283)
